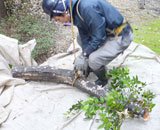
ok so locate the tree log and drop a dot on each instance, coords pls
(46, 73)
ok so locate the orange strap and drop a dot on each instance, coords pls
(120, 28)
(117, 30)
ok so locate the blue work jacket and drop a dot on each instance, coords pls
(98, 15)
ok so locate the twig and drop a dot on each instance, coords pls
(69, 121)
(92, 122)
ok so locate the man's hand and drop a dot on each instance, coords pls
(81, 64)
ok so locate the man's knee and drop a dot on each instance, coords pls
(93, 62)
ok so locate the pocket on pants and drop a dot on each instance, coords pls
(126, 40)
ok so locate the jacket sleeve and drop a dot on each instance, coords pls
(84, 38)
(97, 24)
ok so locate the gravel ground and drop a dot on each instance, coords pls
(129, 9)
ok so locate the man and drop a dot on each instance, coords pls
(103, 32)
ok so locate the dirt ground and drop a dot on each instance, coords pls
(129, 9)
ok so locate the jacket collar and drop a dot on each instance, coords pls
(73, 2)
(75, 16)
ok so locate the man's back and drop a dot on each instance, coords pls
(88, 8)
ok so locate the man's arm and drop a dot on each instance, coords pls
(97, 28)
(84, 38)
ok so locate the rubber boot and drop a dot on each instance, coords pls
(100, 73)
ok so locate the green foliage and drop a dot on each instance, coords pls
(27, 27)
(148, 34)
(113, 108)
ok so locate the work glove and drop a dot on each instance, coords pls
(81, 65)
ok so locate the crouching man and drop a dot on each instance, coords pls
(103, 32)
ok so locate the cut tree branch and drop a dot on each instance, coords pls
(46, 73)
(64, 76)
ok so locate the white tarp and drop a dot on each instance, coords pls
(11, 54)
(41, 105)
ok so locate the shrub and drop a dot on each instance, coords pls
(27, 27)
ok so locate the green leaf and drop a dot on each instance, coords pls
(101, 126)
(96, 100)
(101, 100)
(10, 66)
(108, 125)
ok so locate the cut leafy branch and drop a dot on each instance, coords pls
(126, 99)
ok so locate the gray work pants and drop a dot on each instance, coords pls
(108, 51)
